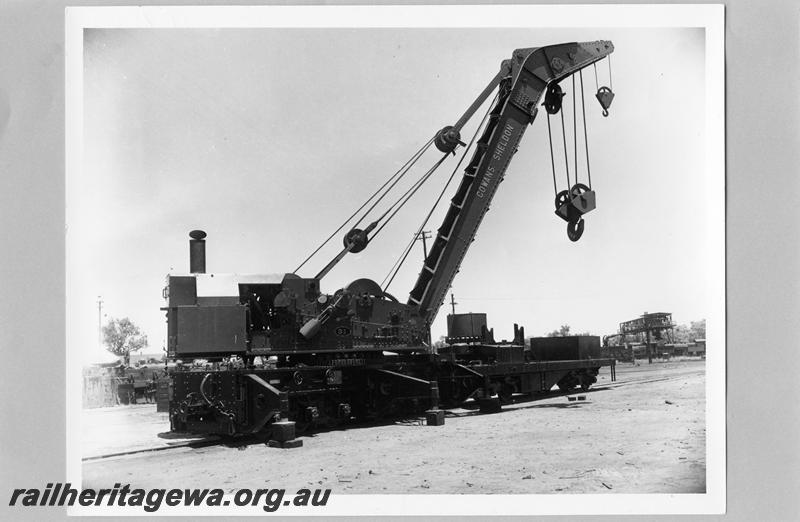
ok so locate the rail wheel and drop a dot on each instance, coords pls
(568, 382)
(301, 427)
(588, 378)
(505, 394)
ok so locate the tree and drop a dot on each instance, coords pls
(122, 337)
(682, 334)
(689, 333)
(698, 329)
(561, 332)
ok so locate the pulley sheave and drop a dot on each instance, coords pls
(553, 98)
(562, 198)
(358, 238)
(448, 139)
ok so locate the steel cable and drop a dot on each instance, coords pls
(574, 130)
(402, 200)
(585, 136)
(552, 159)
(404, 169)
(564, 137)
(399, 263)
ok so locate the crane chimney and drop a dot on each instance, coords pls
(197, 252)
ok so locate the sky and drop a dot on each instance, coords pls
(268, 139)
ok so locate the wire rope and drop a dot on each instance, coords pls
(407, 167)
(564, 137)
(574, 130)
(408, 195)
(414, 158)
(398, 264)
(552, 158)
(585, 135)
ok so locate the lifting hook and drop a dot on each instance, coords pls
(575, 229)
(571, 205)
(605, 96)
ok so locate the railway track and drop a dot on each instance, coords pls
(639, 381)
(190, 444)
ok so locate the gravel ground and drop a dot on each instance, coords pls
(644, 433)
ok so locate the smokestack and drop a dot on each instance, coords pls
(197, 252)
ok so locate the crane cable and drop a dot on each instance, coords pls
(552, 156)
(575, 129)
(398, 174)
(610, 77)
(394, 183)
(564, 137)
(402, 200)
(585, 135)
(399, 263)
(575, 138)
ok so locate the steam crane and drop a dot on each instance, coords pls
(359, 352)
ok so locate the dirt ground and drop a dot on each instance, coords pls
(645, 433)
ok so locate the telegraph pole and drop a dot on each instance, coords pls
(453, 303)
(100, 322)
(424, 235)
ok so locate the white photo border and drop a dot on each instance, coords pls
(709, 17)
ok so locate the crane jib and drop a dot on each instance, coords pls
(531, 72)
(499, 151)
(465, 214)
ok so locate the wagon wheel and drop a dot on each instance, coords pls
(303, 419)
(567, 383)
(505, 394)
(565, 386)
(587, 379)
(301, 427)
(459, 392)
